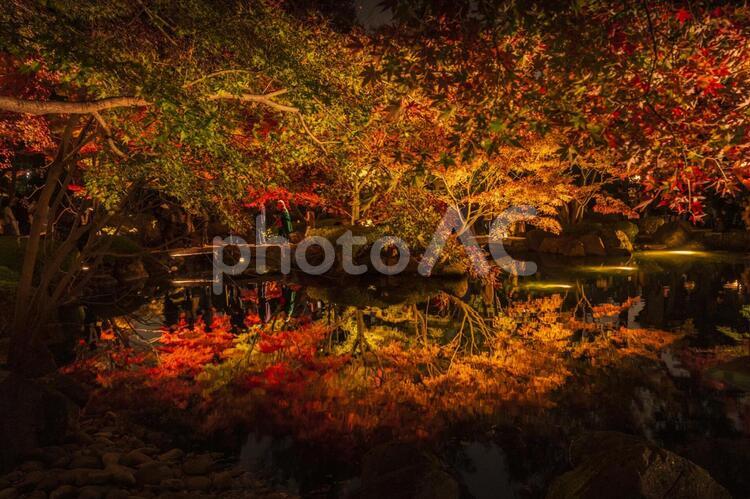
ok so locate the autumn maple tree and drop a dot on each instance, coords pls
(474, 106)
(659, 87)
(189, 99)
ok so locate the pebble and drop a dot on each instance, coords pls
(149, 450)
(121, 475)
(49, 482)
(83, 461)
(197, 483)
(153, 473)
(63, 492)
(31, 480)
(31, 466)
(91, 492)
(198, 465)
(172, 484)
(222, 480)
(117, 494)
(172, 455)
(110, 458)
(95, 477)
(35, 476)
(134, 442)
(135, 458)
(84, 476)
(62, 462)
(14, 476)
(116, 465)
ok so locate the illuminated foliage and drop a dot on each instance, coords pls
(659, 88)
(294, 380)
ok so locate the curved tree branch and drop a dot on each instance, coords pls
(108, 135)
(39, 108)
(265, 99)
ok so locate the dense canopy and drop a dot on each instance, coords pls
(554, 177)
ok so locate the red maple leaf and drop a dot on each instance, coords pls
(683, 15)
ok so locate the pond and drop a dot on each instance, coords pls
(708, 289)
(704, 289)
(701, 295)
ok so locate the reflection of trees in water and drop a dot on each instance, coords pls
(672, 292)
(696, 292)
(456, 311)
(323, 370)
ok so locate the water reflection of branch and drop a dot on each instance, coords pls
(472, 321)
(420, 323)
(583, 301)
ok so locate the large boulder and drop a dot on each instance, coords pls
(400, 470)
(562, 245)
(601, 242)
(535, 237)
(573, 247)
(673, 234)
(615, 465)
(552, 245)
(593, 245)
(650, 224)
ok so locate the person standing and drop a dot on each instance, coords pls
(309, 220)
(285, 219)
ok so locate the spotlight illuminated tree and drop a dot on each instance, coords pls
(662, 88)
(173, 97)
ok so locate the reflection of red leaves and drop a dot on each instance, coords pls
(683, 15)
(186, 352)
(252, 319)
(303, 342)
(273, 376)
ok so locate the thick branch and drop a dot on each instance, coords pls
(39, 108)
(265, 99)
(108, 135)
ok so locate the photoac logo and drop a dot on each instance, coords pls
(451, 226)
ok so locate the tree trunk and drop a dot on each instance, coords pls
(22, 336)
(22, 351)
